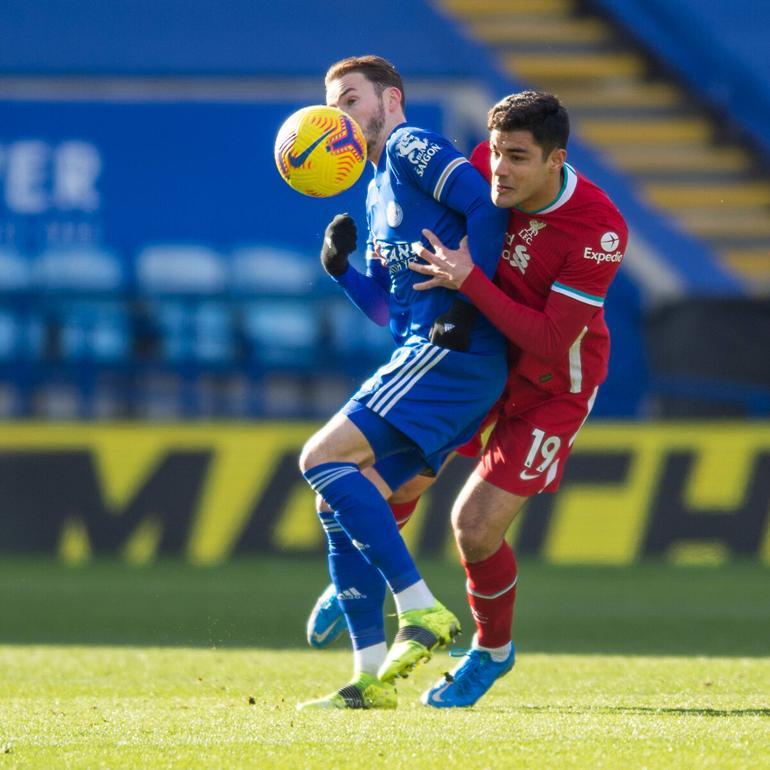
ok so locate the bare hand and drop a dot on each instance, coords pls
(446, 267)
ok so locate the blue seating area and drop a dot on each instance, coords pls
(181, 329)
(143, 131)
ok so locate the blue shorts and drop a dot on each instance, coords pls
(398, 457)
(435, 397)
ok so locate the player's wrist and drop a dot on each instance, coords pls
(471, 278)
(341, 275)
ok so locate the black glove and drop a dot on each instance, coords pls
(339, 244)
(453, 329)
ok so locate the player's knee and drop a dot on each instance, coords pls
(471, 536)
(471, 545)
(311, 455)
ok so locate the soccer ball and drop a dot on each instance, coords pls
(320, 151)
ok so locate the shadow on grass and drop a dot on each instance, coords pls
(699, 712)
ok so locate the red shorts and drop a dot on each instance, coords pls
(532, 437)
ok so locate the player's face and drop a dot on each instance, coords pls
(521, 175)
(356, 96)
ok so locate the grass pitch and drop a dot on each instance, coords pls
(171, 666)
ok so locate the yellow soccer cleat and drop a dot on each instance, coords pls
(420, 632)
(365, 692)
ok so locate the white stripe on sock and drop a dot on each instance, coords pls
(491, 596)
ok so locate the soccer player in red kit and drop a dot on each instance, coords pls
(564, 242)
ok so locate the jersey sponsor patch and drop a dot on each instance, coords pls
(417, 151)
(609, 251)
(602, 256)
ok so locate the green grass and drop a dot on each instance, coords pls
(109, 666)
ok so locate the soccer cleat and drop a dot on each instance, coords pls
(366, 692)
(326, 621)
(468, 681)
(419, 633)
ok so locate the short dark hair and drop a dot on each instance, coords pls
(540, 113)
(375, 69)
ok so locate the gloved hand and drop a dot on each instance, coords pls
(339, 244)
(453, 329)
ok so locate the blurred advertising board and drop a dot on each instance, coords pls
(689, 492)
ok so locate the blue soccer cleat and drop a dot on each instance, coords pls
(467, 682)
(326, 621)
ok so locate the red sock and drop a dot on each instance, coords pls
(491, 588)
(402, 512)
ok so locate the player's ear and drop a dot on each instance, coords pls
(556, 159)
(394, 99)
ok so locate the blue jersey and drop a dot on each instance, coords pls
(422, 181)
(434, 396)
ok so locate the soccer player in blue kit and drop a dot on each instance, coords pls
(447, 371)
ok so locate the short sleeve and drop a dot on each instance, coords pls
(592, 260)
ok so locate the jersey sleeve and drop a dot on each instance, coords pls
(546, 333)
(375, 268)
(481, 160)
(433, 165)
(592, 261)
(369, 291)
(428, 160)
(366, 292)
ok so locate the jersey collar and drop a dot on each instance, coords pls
(568, 185)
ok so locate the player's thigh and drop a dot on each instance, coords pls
(338, 441)
(481, 516)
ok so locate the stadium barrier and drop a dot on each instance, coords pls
(689, 492)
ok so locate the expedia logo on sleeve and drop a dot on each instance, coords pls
(417, 151)
(609, 242)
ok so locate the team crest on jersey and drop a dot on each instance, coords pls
(528, 233)
(394, 214)
(417, 151)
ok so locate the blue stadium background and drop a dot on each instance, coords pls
(153, 264)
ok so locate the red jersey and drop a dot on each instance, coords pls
(556, 266)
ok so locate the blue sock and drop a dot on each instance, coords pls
(360, 586)
(364, 515)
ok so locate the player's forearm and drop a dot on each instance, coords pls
(366, 294)
(547, 334)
